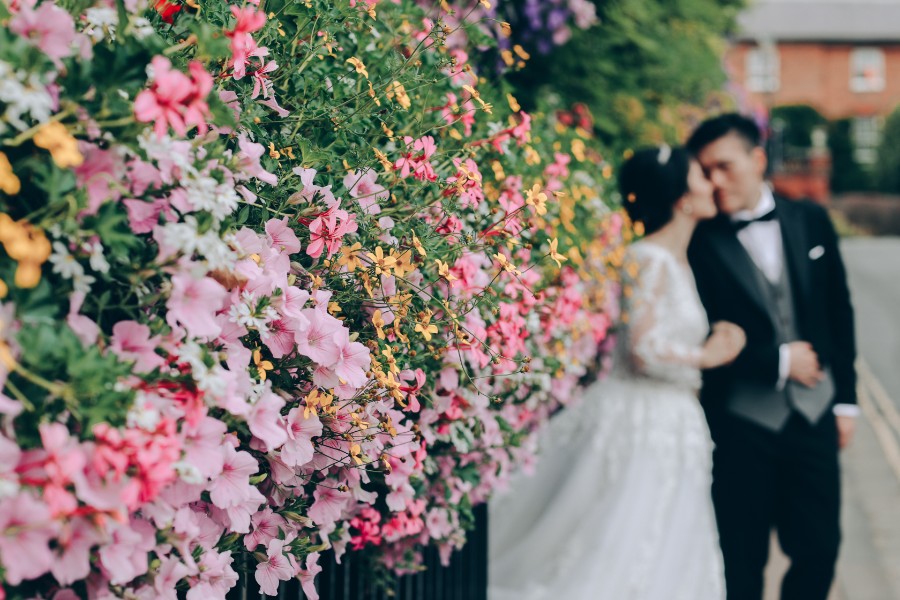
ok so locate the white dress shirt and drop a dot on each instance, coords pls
(762, 241)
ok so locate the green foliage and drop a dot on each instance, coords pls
(798, 121)
(887, 169)
(641, 69)
(846, 173)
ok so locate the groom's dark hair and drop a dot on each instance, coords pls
(718, 127)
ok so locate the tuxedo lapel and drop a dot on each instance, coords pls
(794, 238)
(729, 249)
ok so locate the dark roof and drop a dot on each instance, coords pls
(821, 20)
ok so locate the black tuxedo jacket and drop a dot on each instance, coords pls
(730, 291)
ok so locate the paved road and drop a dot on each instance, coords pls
(869, 567)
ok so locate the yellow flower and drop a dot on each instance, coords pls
(261, 365)
(391, 361)
(62, 146)
(578, 148)
(349, 257)
(399, 334)
(388, 426)
(383, 159)
(359, 66)
(521, 52)
(485, 4)
(404, 263)
(316, 400)
(395, 90)
(506, 28)
(378, 322)
(513, 103)
(9, 183)
(383, 264)
(355, 453)
(424, 326)
(359, 422)
(418, 246)
(537, 199)
(273, 153)
(444, 270)
(556, 256)
(506, 265)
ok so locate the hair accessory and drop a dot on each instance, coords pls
(665, 153)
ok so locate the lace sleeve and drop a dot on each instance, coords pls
(658, 346)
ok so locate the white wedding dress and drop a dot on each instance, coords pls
(619, 507)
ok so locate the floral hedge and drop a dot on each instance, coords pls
(276, 278)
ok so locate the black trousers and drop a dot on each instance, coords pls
(788, 480)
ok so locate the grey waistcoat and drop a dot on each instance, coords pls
(764, 405)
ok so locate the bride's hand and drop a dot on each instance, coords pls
(723, 346)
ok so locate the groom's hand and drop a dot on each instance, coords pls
(805, 368)
(846, 427)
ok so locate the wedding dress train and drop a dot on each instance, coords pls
(619, 507)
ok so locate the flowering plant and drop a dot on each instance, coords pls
(277, 277)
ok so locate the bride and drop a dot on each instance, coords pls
(619, 507)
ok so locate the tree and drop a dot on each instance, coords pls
(642, 68)
(887, 169)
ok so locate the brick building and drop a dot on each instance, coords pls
(841, 57)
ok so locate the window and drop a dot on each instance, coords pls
(866, 135)
(763, 69)
(867, 70)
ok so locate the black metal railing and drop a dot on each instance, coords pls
(464, 579)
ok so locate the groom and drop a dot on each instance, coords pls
(781, 411)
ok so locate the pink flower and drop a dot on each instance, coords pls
(261, 83)
(299, 449)
(266, 526)
(193, 304)
(327, 230)
(249, 155)
(174, 99)
(419, 165)
(144, 216)
(50, 28)
(132, 341)
(318, 341)
(308, 576)
(329, 505)
(125, 556)
(25, 534)
(276, 568)
(362, 186)
(232, 486)
(281, 236)
(73, 561)
(265, 420)
(216, 577)
(353, 361)
(243, 46)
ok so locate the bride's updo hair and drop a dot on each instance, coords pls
(651, 182)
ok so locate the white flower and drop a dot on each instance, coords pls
(248, 314)
(98, 261)
(8, 488)
(141, 28)
(188, 472)
(101, 23)
(23, 94)
(143, 414)
(64, 263)
(182, 236)
(217, 252)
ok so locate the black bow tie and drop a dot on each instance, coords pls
(769, 216)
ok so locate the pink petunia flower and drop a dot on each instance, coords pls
(193, 304)
(299, 449)
(174, 99)
(49, 27)
(25, 533)
(276, 568)
(131, 341)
